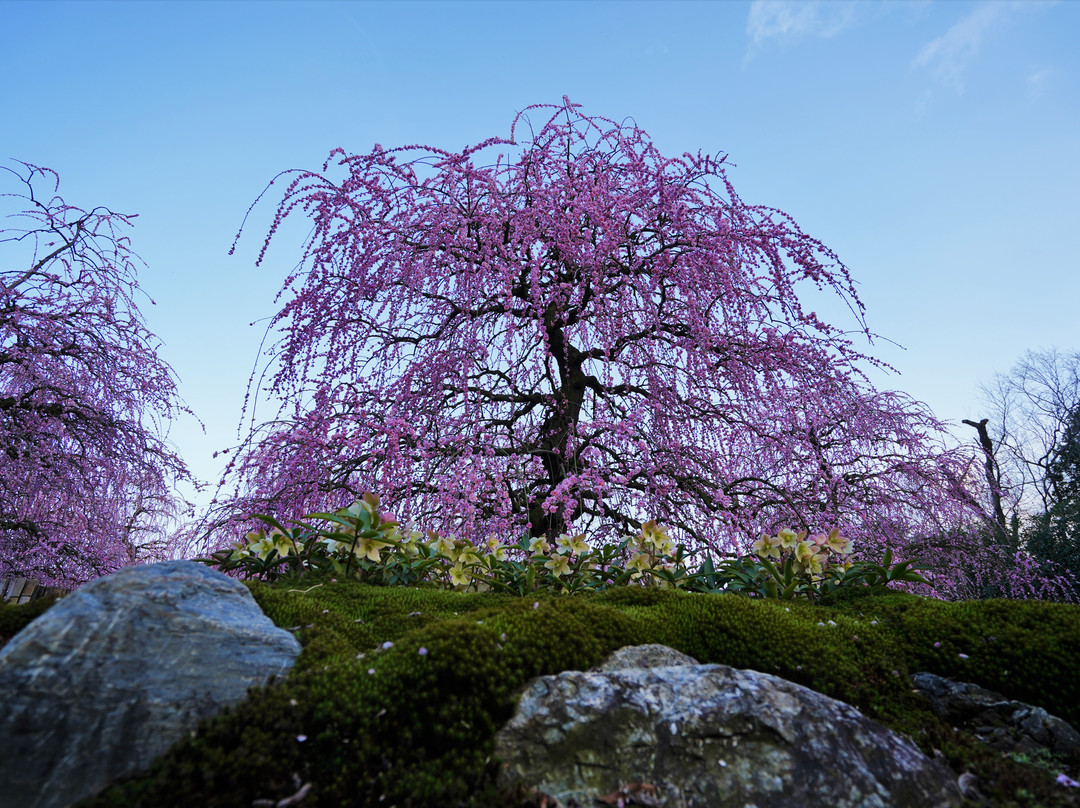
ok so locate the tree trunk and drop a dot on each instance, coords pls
(992, 476)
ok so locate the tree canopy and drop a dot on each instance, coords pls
(85, 478)
(1054, 534)
(578, 334)
(1030, 408)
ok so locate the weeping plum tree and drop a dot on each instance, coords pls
(578, 334)
(85, 481)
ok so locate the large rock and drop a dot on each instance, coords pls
(115, 673)
(1004, 724)
(652, 726)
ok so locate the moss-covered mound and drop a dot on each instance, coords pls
(398, 693)
(14, 617)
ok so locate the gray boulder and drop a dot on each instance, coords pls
(1003, 724)
(115, 673)
(651, 727)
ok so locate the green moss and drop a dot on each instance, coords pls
(14, 617)
(992, 643)
(391, 726)
(409, 728)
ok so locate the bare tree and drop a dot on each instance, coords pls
(1029, 409)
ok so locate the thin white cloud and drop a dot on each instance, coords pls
(790, 20)
(1038, 79)
(948, 57)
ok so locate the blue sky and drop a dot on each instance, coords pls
(934, 145)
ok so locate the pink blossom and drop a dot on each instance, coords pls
(567, 331)
(86, 478)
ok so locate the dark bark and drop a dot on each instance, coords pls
(993, 475)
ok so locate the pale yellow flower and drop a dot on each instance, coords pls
(808, 557)
(539, 545)
(247, 547)
(496, 548)
(459, 576)
(837, 543)
(282, 543)
(444, 546)
(262, 547)
(639, 563)
(558, 564)
(578, 545)
(465, 553)
(789, 538)
(767, 546)
(411, 541)
(368, 548)
(655, 538)
(804, 550)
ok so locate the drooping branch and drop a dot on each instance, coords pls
(83, 468)
(582, 334)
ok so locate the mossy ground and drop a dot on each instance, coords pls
(374, 726)
(15, 616)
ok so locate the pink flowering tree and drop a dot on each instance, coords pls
(85, 480)
(566, 330)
